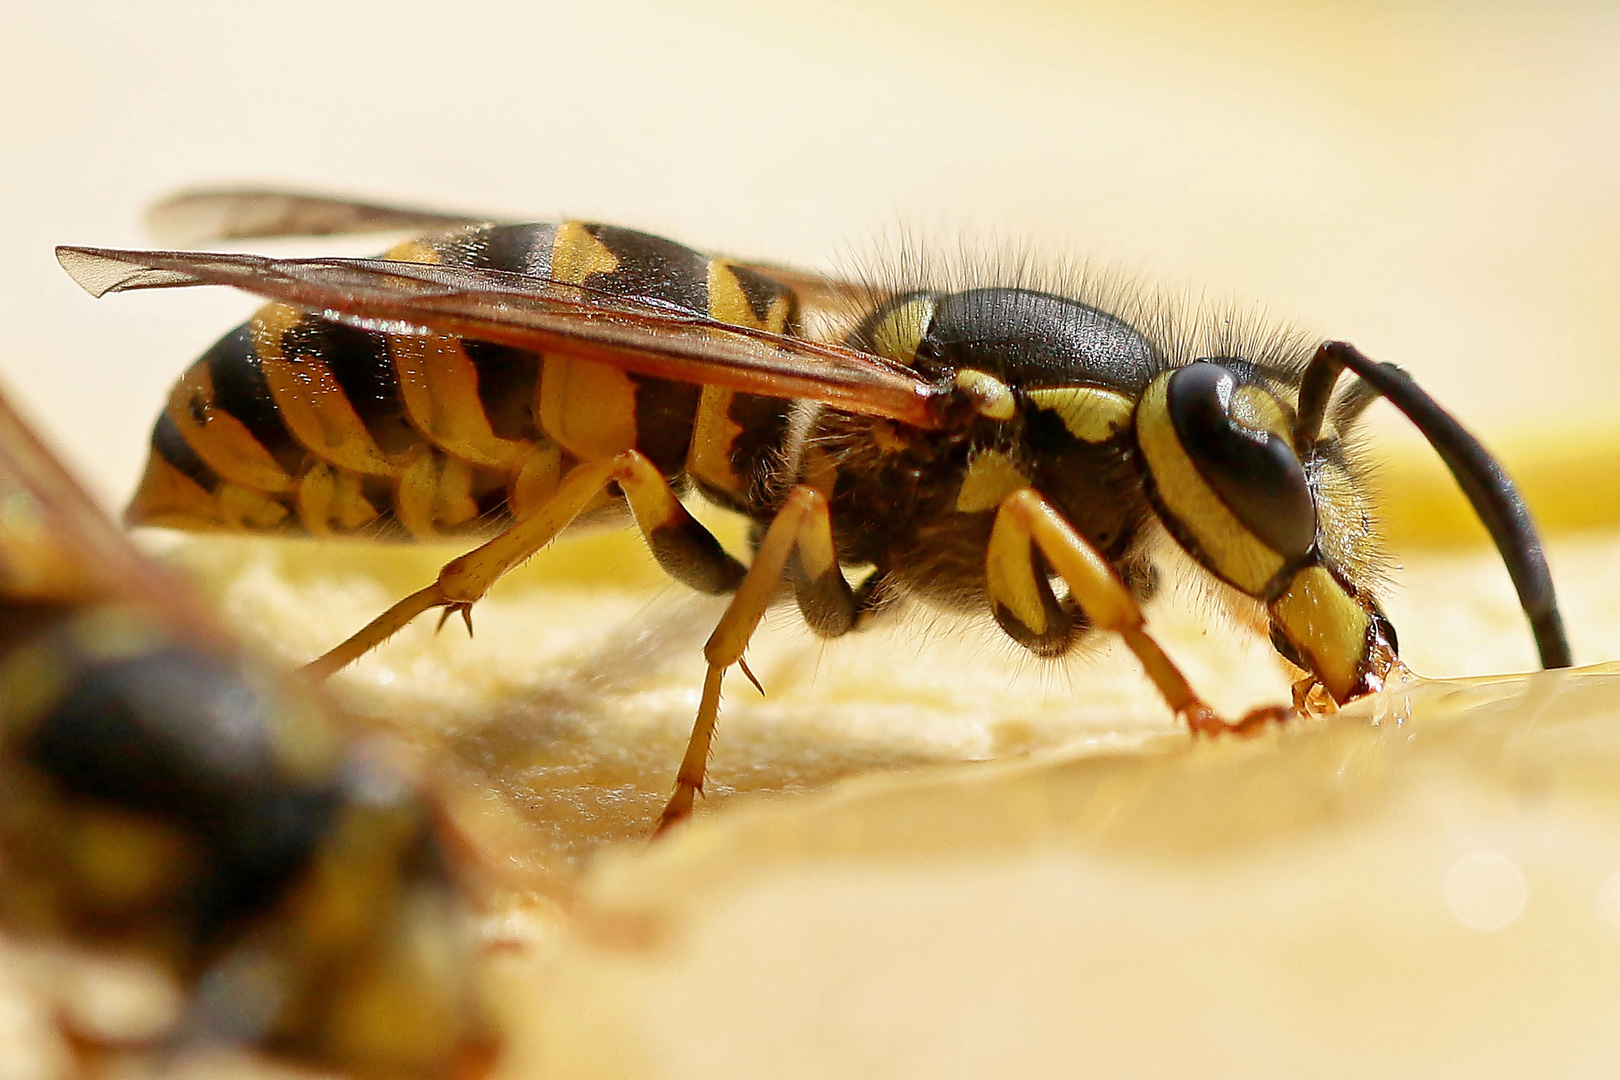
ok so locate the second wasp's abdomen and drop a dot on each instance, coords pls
(295, 423)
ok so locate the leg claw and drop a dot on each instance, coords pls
(1202, 720)
(465, 611)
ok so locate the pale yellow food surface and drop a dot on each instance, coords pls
(923, 855)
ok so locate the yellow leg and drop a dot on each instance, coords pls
(1024, 518)
(464, 580)
(801, 523)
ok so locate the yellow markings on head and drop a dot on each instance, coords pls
(438, 383)
(413, 251)
(1257, 410)
(1327, 626)
(992, 397)
(899, 331)
(1089, 413)
(1010, 574)
(1232, 551)
(535, 481)
(991, 477)
(310, 401)
(576, 254)
(327, 497)
(220, 439)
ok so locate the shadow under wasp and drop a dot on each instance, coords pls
(995, 448)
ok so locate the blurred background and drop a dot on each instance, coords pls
(1435, 181)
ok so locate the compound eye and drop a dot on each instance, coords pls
(1238, 439)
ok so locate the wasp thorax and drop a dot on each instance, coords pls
(1224, 475)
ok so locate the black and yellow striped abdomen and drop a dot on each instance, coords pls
(294, 423)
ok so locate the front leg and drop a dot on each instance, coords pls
(1025, 523)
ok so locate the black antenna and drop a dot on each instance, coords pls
(1481, 477)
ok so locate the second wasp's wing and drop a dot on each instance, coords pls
(56, 544)
(193, 217)
(539, 314)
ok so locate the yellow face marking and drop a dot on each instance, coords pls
(1010, 574)
(413, 251)
(438, 383)
(220, 439)
(991, 396)
(1257, 410)
(576, 254)
(1327, 626)
(1234, 552)
(1089, 413)
(990, 478)
(310, 401)
(899, 332)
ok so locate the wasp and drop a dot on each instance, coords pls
(997, 448)
(166, 800)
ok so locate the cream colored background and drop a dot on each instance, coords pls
(1435, 182)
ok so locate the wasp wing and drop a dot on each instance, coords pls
(57, 546)
(193, 217)
(546, 316)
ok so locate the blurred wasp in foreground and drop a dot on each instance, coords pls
(168, 803)
(994, 448)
